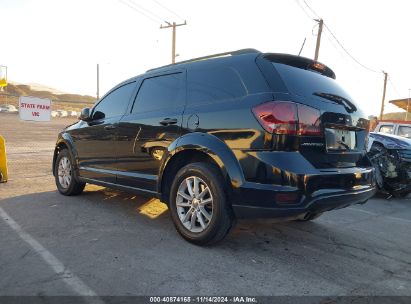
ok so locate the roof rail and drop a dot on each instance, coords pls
(232, 53)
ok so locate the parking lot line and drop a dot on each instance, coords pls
(76, 284)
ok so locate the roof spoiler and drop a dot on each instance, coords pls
(301, 63)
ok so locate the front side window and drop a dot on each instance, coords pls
(404, 131)
(213, 85)
(160, 92)
(387, 129)
(115, 103)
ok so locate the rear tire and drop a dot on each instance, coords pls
(64, 175)
(198, 204)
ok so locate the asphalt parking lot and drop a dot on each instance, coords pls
(111, 243)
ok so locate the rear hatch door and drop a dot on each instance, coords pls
(343, 123)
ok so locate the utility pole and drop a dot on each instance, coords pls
(320, 30)
(408, 104)
(173, 46)
(383, 94)
(98, 81)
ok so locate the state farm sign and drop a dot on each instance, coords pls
(33, 108)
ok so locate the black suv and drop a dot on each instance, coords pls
(239, 134)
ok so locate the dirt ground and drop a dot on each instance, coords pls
(30, 144)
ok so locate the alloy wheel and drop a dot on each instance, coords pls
(64, 172)
(194, 204)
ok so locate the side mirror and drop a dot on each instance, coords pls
(85, 114)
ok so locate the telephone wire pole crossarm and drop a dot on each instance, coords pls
(173, 47)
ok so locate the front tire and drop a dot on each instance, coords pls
(64, 175)
(198, 204)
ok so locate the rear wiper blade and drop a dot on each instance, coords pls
(350, 107)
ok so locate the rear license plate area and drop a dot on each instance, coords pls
(340, 140)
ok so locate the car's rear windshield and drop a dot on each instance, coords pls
(305, 82)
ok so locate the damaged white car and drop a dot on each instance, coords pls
(391, 157)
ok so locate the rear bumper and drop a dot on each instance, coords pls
(313, 193)
(317, 205)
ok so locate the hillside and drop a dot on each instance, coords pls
(37, 91)
(60, 100)
(396, 116)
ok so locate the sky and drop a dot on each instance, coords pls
(59, 43)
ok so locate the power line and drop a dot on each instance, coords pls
(146, 10)
(167, 9)
(309, 7)
(139, 11)
(335, 38)
(303, 9)
(333, 44)
(348, 53)
(393, 86)
(353, 58)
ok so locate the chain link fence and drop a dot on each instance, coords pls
(29, 144)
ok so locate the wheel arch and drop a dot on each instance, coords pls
(64, 142)
(199, 147)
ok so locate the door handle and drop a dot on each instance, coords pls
(110, 127)
(168, 121)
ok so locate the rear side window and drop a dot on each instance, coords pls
(159, 92)
(387, 129)
(115, 103)
(404, 131)
(213, 85)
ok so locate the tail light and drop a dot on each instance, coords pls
(309, 121)
(287, 198)
(284, 117)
